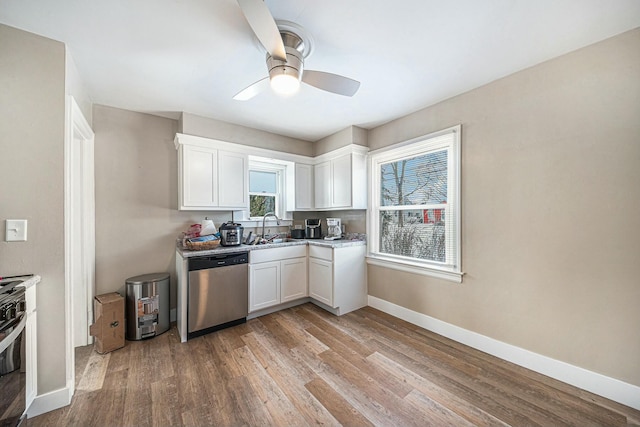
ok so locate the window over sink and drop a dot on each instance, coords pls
(266, 187)
(414, 212)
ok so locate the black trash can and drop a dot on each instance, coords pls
(147, 305)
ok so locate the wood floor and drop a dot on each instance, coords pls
(303, 366)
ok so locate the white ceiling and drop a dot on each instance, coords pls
(169, 56)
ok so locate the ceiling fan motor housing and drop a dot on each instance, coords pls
(293, 66)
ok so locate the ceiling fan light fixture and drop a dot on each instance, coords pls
(285, 84)
(285, 76)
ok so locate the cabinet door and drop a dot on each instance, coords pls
(304, 187)
(341, 181)
(293, 284)
(322, 177)
(264, 284)
(233, 180)
(199, 181)
(321, 280)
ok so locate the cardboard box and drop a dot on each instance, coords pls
(108, 328)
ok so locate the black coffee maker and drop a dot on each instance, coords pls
(313, 228)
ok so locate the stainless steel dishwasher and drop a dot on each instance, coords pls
(218, 292)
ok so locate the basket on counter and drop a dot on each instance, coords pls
(200, 243)
(202, 246)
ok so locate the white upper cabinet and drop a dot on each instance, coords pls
(340, 180)
(305, 190)
(233, 178)
(199, 177)
(210, 178)
(322, 188)
(214, 175)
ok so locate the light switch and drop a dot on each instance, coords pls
(16, 230)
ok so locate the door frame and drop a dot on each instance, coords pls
(78, 146)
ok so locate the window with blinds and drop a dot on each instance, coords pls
(263, 192)
(414, 215)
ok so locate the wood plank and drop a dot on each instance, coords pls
(458, 405)
(291, 376)
(377, 413)
(282, 411)
(165, 409)
(95, 370)
(304, 366)
(337, 344)
(409, 414)
(505, 407)
(501, 374)
(342, 410)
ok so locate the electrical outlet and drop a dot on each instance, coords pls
(16, 230)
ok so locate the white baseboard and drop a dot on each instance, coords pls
(49, 401)
(611, 388)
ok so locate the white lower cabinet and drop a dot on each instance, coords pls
(334, 278)
(293, 279)
(338, 277)
(276, 276)
(264, 285)
(321, 280)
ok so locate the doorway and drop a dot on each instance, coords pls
(79, 233)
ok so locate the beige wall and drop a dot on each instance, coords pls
(32, 105)
(551, 210)
(209, 128)
(136, 175)
(354, 221)
(350, 135)
(75, 87)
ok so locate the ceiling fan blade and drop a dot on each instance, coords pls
(331, 82)
(252, 90)
(262, 23)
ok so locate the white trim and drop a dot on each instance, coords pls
(449, 139)
(77, 125)
(611, 388)
(415, 268)
(409, 142)
(199, 141)
(339, 152)
(49, 402)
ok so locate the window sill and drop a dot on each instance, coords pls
(416, 268)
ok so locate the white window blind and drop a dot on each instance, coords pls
(414, 216)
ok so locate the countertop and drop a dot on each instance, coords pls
(186, 253)
(31, 281)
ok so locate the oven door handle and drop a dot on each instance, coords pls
(17, 330)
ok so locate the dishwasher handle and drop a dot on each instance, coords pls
(215, 261)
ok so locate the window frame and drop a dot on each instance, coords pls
(448, 139)
(279, 170)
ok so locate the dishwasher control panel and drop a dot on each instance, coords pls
(215, 261)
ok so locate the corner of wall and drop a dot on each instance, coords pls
(347, 136)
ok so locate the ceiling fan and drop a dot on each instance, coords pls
(287, 46)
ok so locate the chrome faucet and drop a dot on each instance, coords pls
(265, 217)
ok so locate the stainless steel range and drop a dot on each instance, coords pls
(12, 357)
